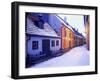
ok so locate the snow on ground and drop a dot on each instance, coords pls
(77, 56)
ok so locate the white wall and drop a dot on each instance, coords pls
(55, 48)
(5, 40)
(29, 45)
(39, 39)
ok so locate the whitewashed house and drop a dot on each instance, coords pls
(41, 41)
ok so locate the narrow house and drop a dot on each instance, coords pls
(41, 39)
(79, 39)
(67, 35)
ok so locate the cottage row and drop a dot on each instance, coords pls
(49, 34)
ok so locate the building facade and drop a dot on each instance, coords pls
(87, 30)
(67, 37)
(41, 39)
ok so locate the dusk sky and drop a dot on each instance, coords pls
(76, 21)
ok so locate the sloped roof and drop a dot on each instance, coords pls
(77, 33)
(70, 27)
(65, 23)
(46, 31)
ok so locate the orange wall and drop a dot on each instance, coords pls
(67, 37)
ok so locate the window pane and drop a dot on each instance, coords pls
(53, 43)
(35, 45)
(57, 42)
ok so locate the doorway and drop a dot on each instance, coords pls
(46, 46)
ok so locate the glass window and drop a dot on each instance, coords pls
(57, 42)
(53, 43)
(35, 45)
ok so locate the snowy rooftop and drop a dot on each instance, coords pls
(70, 27)
(64, 23)
(46, 31)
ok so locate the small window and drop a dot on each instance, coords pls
(65, 33)
(53, 43)
(57, 42)
(35, 45)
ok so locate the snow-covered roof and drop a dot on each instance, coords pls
(68, 26)
(77, 33)
(46, 31)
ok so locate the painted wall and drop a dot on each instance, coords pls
(55, 48)
(39, 39)
(29, 46)
(67, 37)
